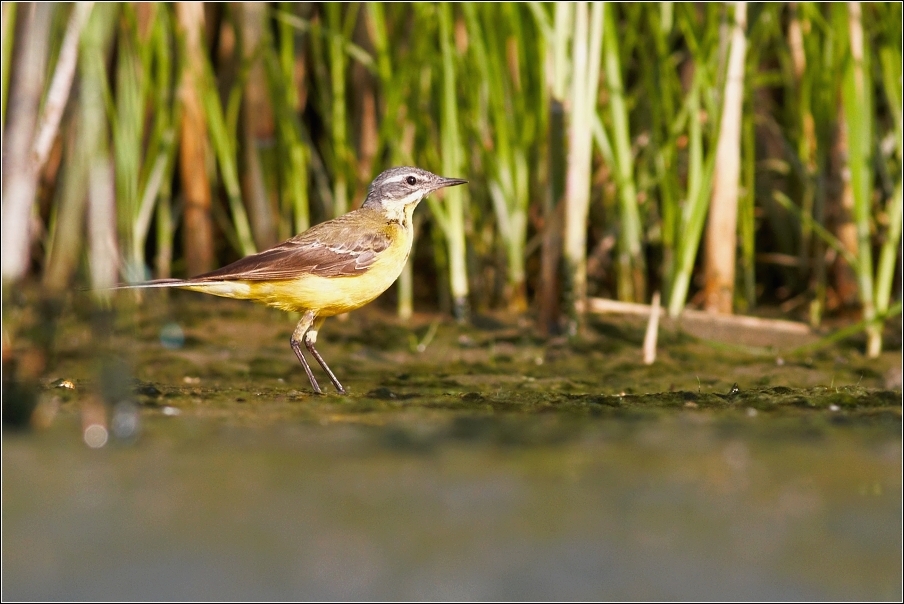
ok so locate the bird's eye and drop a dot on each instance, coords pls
(411, 180)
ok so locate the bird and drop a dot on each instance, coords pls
(333, 267)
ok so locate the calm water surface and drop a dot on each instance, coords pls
(695, 506)
(492, 466)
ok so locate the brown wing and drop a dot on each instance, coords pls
(345, 246)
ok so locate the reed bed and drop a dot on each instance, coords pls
(744, 158)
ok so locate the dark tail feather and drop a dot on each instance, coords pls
(155, 283)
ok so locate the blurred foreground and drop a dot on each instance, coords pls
(466, 463)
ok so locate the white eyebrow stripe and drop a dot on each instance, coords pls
(398, 178)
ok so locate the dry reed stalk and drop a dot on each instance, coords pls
(20, 179)
(58, 94)
(194, 147)
(257, 124)
(722, 226)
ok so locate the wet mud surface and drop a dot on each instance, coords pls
(465, 462)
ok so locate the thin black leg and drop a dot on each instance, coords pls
(329, 372)
(296, 346)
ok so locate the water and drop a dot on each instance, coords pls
(690, 507)
(477, 473)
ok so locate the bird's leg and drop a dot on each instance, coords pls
(309, 339)
(303, 326)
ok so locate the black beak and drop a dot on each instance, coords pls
(449, 182)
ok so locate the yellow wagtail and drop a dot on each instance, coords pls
(333, 267)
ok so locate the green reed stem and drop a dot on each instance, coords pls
(6, 55)
(452, 161)
(631, 265)
(856, 94)
(586, 57)
(223, 135)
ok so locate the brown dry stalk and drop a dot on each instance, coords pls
(721, 230)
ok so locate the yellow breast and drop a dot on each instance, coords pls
(326, 296)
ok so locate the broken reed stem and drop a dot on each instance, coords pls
(652, 333)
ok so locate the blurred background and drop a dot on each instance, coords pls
(727, 157)
(732, 157)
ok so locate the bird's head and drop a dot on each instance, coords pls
(397, 191)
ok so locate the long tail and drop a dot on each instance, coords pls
(155, 283)
(223, 288)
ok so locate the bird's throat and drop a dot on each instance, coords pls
(401, 216)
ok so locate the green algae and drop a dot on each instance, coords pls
(233, 358)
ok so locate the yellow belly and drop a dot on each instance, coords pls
(325, 296)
